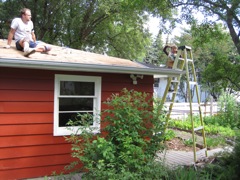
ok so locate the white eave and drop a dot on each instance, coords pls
(69, 66)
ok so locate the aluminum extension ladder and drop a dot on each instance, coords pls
(184, 61)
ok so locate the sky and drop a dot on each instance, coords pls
(153, 25)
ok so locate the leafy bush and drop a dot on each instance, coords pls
(190, 173)
(229, 111)
(129, 140)
(130, 136)
(188, 142)
(169, 135)
(227, 164)
(215, 141)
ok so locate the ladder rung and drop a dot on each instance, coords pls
(177, 69)
(182, 59)
(175, 81)
(193, 82)
(184, 47)
(198, 128)
(188, 47)
(189, 60)
(174, 76)
(172, 91)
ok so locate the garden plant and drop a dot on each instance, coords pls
(126, 145)
(130, 137)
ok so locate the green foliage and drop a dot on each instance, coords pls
(188, 142)
(229, 111)
(182, 173)
(169, 135)
(236, 156)
(216, 59)
(132, 137)
(155, 54)
(112, 27)
(127, 149)
(214, 125)
(227, 164)
(152, 170)
(206, 33)
(211, 129)
(224, 131)
(225, 11)
(217, 127)
(223, 72)
(215, 141)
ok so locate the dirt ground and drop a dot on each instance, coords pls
(177, 144)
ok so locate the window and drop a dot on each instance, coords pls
(74, 95)
(156, 82)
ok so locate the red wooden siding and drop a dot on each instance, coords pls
(26, 151)
(24, 95)
(27, 146)
(21, 118)
(33, 140)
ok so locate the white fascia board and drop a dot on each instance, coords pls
(66, 66)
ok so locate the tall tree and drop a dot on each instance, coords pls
(114, 27)
(227, 11)
(216, 58)
(155, 53)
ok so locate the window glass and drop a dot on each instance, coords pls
(75, 104)
(75, 117)
(156, 82)
(76, 98)
(76, 88)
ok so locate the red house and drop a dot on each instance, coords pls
(40, 93)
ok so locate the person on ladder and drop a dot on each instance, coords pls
(172, 54)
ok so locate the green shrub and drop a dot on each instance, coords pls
(236, 157)
(215, 141)
(133, 132)
(188, 142)
(229, 111)
(227, 164)
(169, 135)
(189, 173)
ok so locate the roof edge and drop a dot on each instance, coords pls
(47, 65)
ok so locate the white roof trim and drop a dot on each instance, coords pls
(67, 66)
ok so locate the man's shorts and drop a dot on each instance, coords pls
(20, 48)
(32, 44)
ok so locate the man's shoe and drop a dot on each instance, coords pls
(29, 52)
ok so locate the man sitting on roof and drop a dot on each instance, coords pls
(23, 33)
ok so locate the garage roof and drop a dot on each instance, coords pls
(61, 58)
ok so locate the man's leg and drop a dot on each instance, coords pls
(44, 48)
(40, 47)
(24, 43)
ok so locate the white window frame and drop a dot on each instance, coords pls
(62, 131)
